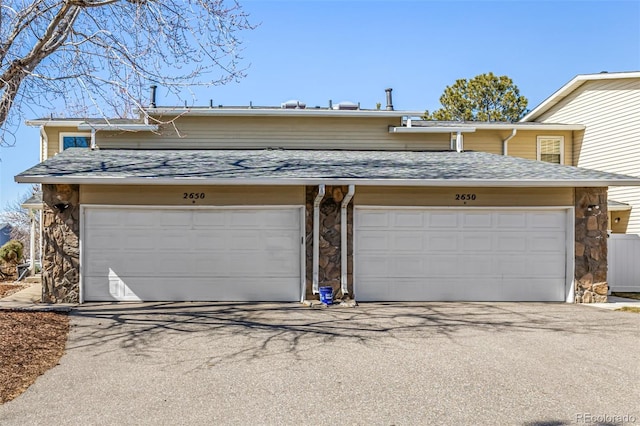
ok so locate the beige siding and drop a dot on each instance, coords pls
(618, 221)
(578, 139)
(484, 197)
(523, 145)
(485, 141)
(610, 109)
(276, 132)
(53, 138)
(181, 195)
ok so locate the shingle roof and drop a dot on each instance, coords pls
(428, 168)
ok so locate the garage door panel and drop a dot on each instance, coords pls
(408, 241)
(476, 241)
(169, 219)
(407, 219)
(373, 219)
(140, 219)
(279, 240)
(441, 242)
(547, 242)
(373, 266)
(406, 266)
(509, 243)
(100, 239)
(541, 221)
(511, 220)
(373, 241)
(192, 254)
(195, 289)
(442, 265)
(476, 220)
(489, 255)
(533, 290)
(138, 239)
(513, 266)
(106, 218)
(444, 219)
(208, 241)
(203, 219)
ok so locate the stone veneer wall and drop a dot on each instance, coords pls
(61, 257)
(591, 245)
(330, 242)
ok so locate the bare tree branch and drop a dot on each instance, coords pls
(116, 48)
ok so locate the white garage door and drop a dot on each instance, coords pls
(455, 255)
(214, 254)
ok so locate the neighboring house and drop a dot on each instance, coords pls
(248, 203)
(608, 105)
(5, 233)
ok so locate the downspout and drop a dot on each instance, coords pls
(459, 147)
(32, 243)
(505, 143)
(93, 138)
(44, 147)
(41, 230)
(316, 238)
(343, 240)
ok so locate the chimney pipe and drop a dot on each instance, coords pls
(389, 101)
(152, 102)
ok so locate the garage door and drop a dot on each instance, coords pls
(214, 254)
(454, 255)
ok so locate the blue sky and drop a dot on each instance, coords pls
(314, 50)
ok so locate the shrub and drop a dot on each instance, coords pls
(11, 252)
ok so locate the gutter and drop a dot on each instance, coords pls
(431, 129)
(505, 143)
(344, 240)
(134, 127)
(316, 238)
(531, 183)
(278, 112)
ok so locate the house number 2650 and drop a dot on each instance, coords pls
(465, 197)
(193, 195)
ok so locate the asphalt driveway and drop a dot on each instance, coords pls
(377, 364)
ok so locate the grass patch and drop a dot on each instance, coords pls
(627, 295)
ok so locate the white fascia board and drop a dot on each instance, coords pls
(54, 123)
(618, 208)
(527, 183)
(524, 127)
(278, 112)
(85, 125)
(32, 206)
(488, 126)
(134, 127)
(432, 129)
(572, 85)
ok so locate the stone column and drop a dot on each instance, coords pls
(591, 245)
(61, 257)
(330, 241)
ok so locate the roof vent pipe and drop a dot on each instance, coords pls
(389, 100)
(152, 101)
